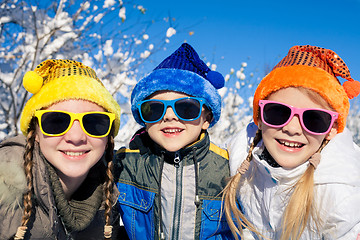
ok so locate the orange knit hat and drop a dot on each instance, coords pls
(314, 68)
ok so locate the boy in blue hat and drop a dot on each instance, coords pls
(171, 178)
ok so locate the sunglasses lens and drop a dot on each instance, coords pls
(188, 109)
(96, 124)
(55, 122)
(152, 111)
(316, 121)
(276, 114)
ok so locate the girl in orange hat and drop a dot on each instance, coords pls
(296, 169)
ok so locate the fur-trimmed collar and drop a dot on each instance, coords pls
(12, 175)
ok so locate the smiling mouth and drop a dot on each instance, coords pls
(74, 154)
(290, 144)
(171, 130)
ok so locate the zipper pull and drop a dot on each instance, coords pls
(177, 159)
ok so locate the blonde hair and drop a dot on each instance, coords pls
(28, 165)
(301, 206)
(229, 199)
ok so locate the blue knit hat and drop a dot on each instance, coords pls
(183, 71)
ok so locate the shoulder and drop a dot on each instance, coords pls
(124, 154)
(338, 184)
(125, 158)
(12, 176)
(123, 151)
(214, 181)
(219, 151)
(339, 161)
(216, 158)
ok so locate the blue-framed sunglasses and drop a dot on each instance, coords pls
(186, 109)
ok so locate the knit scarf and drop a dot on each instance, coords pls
(265, 155)
(77, 213)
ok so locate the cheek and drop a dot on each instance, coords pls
(48, 145)
(150, 127)
(315, 140)
(266, 129)
(101, 143)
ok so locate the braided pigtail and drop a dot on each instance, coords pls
(28, 165)
(108, 185)
(230, 198)
(301, 205)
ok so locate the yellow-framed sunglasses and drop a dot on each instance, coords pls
(56, 123)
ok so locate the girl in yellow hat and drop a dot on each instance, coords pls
(56, 182)
(296, 169)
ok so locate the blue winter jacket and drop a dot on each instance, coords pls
(189, 181)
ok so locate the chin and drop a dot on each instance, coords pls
(172, 148)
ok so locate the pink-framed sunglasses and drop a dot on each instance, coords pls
(313, 120)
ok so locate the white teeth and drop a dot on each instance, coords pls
(291, 144)
(172, 130)
(74, 154)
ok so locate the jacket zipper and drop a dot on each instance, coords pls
(177, 159)
(178, 197)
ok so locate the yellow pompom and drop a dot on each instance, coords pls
(32, 82)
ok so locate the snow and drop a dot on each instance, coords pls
(170, 32)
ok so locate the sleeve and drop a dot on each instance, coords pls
(338, 187)
(343, 218)
(12, 187)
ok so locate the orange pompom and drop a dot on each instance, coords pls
(352, 88)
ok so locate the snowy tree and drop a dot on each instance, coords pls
(353, 119)
(96, 33)
(236, 110)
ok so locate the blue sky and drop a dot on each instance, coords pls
(261, 32)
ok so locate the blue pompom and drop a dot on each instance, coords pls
(216, 79)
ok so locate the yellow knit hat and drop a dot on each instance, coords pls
(314, 68)
(54, 81)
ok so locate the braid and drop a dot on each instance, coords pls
(28, 165)
(230, 198)
(255, 142)
(108, 186)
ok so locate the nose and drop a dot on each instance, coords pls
(75, 134)
(294, 126)
(170, 115)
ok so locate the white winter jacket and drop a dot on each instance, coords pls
(337, 187)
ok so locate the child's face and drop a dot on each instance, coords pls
(73, 153)
(291, 145)
(172, 133)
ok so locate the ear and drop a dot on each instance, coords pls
(260, 124)
(331, 134)
(37, 136)
(37, 132)
(208, 119)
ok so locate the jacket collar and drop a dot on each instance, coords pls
(277, 174)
